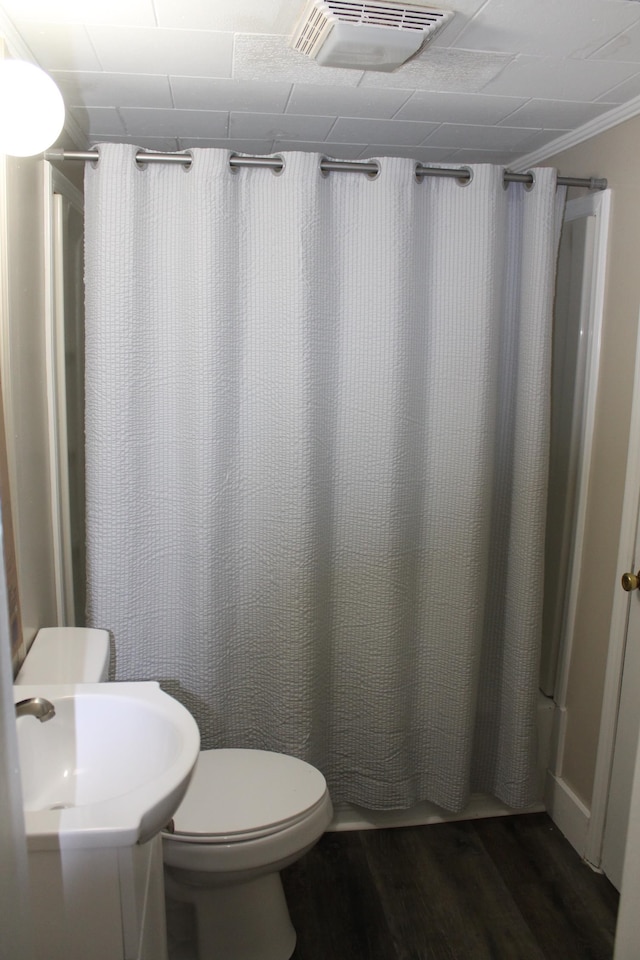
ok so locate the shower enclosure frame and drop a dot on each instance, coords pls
(58, 192)
(583, 826)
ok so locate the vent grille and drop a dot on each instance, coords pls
(386, 15)
(320, 15)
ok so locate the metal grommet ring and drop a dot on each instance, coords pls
(325, 174)
(529, 186)
(187, 167)
(373, 175)
(139, 160)
(465, 181)
(276, 172)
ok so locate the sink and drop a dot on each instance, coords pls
(109, 769)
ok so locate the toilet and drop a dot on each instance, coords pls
(66, 655)
(246, 815)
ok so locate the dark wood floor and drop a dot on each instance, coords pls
(509, 888)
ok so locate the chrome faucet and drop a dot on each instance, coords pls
(36, 707)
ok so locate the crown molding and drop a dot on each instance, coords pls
(626, 111)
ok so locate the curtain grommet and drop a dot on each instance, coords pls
(529, 186)
(139, 161)
(418, 172)
(325, 174)
(465, 181)
(187, 167)
(279, 172)
(373, 175)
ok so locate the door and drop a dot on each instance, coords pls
(627, 945)
(621, 714)
(627, 735)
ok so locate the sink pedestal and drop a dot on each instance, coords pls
(105, 903)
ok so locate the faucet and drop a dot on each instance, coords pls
(36, 707)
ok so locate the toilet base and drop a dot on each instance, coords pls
(243, 921)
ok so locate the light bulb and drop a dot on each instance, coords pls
(31, 109)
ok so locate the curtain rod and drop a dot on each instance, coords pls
(326, 166)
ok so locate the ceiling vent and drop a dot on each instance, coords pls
(365, 35)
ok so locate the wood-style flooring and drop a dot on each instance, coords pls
(509, 888)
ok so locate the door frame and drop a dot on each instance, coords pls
(582, 829)
(56, 187)
(596, 205)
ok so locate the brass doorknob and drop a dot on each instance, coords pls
(630, 581)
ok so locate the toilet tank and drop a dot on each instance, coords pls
(67, 655)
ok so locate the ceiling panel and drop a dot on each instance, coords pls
(503, 77)
(189, 53)
(548, 28)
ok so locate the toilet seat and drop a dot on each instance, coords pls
(238, 795)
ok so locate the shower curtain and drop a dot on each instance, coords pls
(317, 428)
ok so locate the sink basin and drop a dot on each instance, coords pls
(109, 769)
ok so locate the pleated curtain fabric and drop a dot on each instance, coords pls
(317, 430)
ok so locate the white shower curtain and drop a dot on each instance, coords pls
(317, 427)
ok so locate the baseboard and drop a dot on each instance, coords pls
(568, 812)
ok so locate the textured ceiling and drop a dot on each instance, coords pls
(502, 80)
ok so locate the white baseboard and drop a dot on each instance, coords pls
(568, 812)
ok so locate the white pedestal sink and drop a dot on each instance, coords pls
(99, 781)
(111, 767)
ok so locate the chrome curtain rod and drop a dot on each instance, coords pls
(326, 166)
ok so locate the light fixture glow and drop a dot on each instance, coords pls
(31, 109)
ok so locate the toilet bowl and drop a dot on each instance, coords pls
(246, 815)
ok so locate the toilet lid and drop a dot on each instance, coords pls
(243, 794)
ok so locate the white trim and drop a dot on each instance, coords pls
(618, 628)
(57, 187)
(62, 506)
(595, 205)
(568, 812)
(558, 740)
(584, 828)
(626, 111)
(6, 379)
(50, 308)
